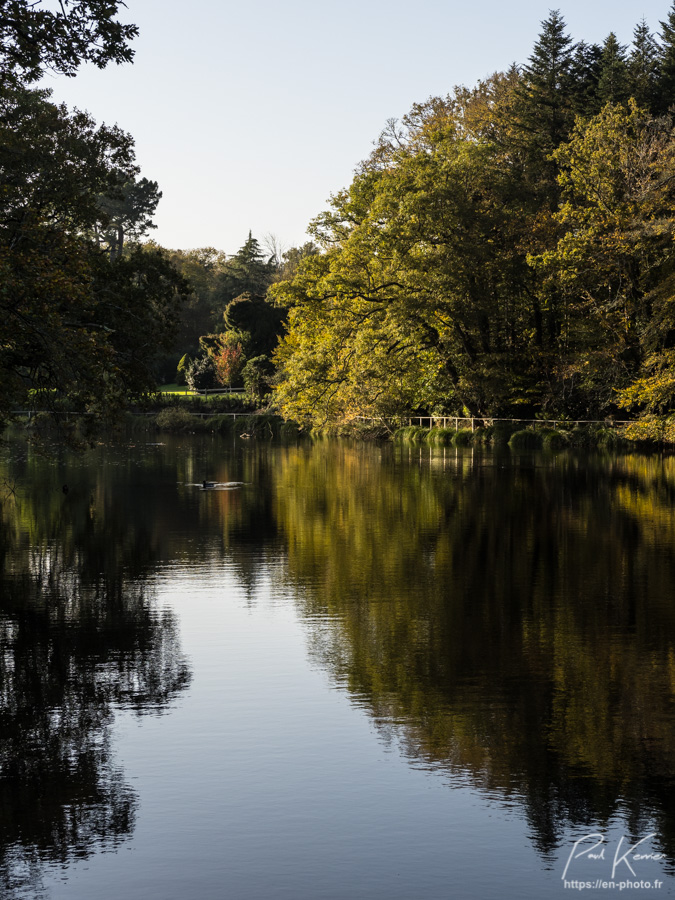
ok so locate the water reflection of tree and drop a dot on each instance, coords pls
(515, 624)
(80, 637)
(511, 624)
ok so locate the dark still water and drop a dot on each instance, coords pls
(344, 672)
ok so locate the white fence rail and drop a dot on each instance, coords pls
(480, 421)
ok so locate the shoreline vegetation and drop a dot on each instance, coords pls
(236, 414)
(504, 254)
(178, 411)
(518, 434)
(268, 426)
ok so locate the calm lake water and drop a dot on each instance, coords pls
(345, 672)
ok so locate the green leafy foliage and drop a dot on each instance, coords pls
(181, 369)
(257, 375)
(201, 374)
(247, 272)
(228, 297)
(34, 36)
(505, 251)
(80, 323)
(127, 212)
(74, 322)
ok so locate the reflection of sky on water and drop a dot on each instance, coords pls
(266, 781)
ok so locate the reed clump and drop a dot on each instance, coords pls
(441, 437)
(526, 439)
(463, 437)
(177, 420)
(222, 424)
(500, 433)
(411, 434)
(610, 439)
(553, 439)
(481, 435)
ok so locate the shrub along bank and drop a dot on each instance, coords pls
(177, 420)
(531, 438)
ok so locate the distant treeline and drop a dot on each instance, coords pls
(229, 327)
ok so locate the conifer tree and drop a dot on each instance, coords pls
(666, 83)
(584, 77)
(547, 109)
(613, 82)
(246, 272)
(643, 66)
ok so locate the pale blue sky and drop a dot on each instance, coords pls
(250, 115)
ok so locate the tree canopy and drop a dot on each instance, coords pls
(80, 321)
(35, 37)
(505, 250)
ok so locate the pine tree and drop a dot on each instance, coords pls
(666, 80)
(613, 86)
(247, 272)
(584, 77)
(643, 66)
(546, 109)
